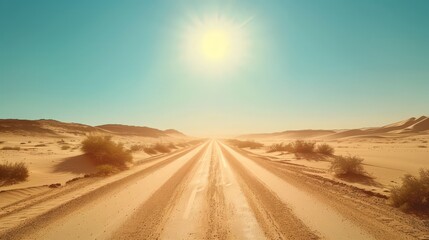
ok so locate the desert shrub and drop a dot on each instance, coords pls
(172, 146)
(106, 170)
(149, 150)
(103, 150)
(136, 148)
(1, 142)
(347, 165)
(40, 145)
(325, 149)
(182, 144)
(160, 147)
(13, 172)
(11, 148)
(245, 144)
(65, 147)
(413, 194)
(279, 147)
(301, 146)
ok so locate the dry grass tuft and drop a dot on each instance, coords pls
(103, 150)
(344, 166)
(325, 149)
(413, 194)
(245, 144)
(13, 172)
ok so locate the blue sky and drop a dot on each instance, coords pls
(308, 64)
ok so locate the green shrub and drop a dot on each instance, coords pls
(13, 172)
(102, 150)
(347, 165)
(413, 194)
(325, 149)
(162, 148)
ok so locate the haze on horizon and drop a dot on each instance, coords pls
(215, 67)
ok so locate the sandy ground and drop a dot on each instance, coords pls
(58, 160)
(209, 191)
(387, 160)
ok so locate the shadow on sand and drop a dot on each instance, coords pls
(80, 164)
(362, 179)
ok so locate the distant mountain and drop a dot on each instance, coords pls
(44, 127)
(139, 131)
(293, 134)
(57, 128)
(403, 128)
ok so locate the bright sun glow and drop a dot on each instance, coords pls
(215, 45)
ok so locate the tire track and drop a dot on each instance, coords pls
(148, 220)
(276, 218)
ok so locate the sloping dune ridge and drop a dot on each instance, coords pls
(402, 128)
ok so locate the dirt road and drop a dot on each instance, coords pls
(211, 191)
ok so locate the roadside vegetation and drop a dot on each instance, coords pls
(348, 166)
(103, 151)
(11, 148)
(413, 194)
(301, 146)
(325, 149)
(245, 144)
(13, 172)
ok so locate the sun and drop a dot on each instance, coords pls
(216, 44)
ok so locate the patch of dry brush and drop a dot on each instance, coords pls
(13, 172)
(413, 194)
(245, 144)
(102, 150)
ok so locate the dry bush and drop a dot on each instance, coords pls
(245, 144)
(413, 194)
(162, 148)
(348, 166)
(102, 150)
(279, 147)
(172, 146)
(182, 144)
(13, 172)
(11, 148)
(149, 150)
(40, 145)
(65, 147)
(106, 170)
(301, 146)
(325, 149)
(136, 148)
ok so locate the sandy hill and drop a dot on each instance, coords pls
(44, 127)
(56, 128)
(411, 126)
(139, 131)
(292, 134)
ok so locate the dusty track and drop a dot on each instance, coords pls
(213, 192)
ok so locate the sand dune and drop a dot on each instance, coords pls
(403, 128)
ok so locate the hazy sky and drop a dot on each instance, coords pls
(292, 64)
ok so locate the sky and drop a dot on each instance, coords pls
(276, 65)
